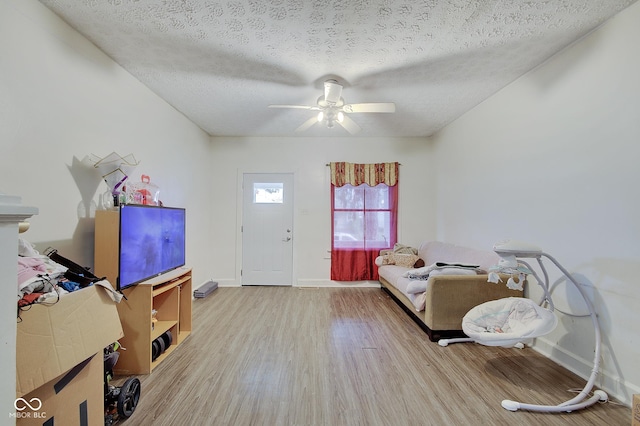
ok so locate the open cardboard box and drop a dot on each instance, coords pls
(74, 398)
(53, 339)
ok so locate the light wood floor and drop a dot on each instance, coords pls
(292, 356)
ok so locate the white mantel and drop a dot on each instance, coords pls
(12, 212)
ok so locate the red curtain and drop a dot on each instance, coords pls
(355, 260)
(354, 265)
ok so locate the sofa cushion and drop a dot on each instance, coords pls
(392, 273)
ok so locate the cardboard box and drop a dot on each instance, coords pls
(52, 339)
(635, 410)
(74, 398)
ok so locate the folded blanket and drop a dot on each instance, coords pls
(420, 285)
(424, 272)
(417, 286)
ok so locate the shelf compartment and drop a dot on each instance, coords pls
(161, 327)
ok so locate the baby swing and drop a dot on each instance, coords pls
(507, 322)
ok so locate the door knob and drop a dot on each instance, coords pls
(286, 240)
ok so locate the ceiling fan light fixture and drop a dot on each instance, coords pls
(331, 109)
(332, 91)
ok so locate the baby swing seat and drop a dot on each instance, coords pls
(507, 322)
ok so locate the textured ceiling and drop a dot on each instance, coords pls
(221, 63)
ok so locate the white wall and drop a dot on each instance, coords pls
(553, 159)
(62, 99)
(307, 159)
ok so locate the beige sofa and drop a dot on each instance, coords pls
(447, 298)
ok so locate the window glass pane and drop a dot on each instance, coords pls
(268, 193)
(376, 197)
(348, 228)
(377, 229)
(349, 197)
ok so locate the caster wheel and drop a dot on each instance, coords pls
(129, 397)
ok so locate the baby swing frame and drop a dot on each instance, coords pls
(511, 257)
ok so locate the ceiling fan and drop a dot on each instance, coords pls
(332, 109)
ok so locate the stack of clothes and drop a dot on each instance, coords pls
(40, 279)
(44, 278)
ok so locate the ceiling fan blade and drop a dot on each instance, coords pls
(307, 124)
(295, 106)
(350, 125)
(370, 107)
(332, 91)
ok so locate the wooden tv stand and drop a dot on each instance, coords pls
(169, 294)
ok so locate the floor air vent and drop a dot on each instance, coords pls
(205, 289)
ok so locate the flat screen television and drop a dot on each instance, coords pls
(152, 242)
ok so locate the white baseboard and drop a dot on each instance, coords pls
(340, 284)
(306, 283)
(226, 282)
(613, 384)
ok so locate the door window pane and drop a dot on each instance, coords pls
(268, 193)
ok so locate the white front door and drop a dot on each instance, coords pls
(267, 229)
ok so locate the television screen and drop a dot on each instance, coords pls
(152, 242)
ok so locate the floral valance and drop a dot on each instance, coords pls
(356, 174)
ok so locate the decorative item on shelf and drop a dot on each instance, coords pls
(143, 192)
(115, 169)
(154, 320)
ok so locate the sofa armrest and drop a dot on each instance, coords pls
(450, 297)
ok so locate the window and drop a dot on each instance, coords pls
(362, 217)
(364, 212)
